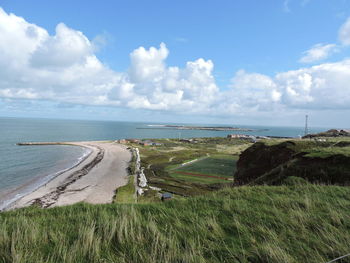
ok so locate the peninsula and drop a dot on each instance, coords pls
(204, 128)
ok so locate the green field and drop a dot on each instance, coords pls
(212, 169)
(222, 165)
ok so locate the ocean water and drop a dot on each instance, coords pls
(24, 168)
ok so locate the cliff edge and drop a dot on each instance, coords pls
(326, 162)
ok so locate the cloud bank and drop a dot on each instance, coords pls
(64, 67)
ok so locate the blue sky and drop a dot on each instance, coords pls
(257, 64)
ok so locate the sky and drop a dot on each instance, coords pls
(200, 61)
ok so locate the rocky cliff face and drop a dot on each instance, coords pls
(260, 159)
(273, 164)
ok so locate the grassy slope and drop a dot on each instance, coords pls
(257, 224)
(332, 146)
(197, 179)
(126, 193)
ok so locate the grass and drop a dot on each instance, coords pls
(314, 148)
(150, 196)
(223, 166)
(216, 168)
(296, 223)
(327, 152)
(197, 179)
(126, 193)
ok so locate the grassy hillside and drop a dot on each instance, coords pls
(296, 223)
(126, 194)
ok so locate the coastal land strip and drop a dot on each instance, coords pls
(202, 128)
(93, 180)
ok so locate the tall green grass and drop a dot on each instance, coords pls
(296, 223)
(127, 193)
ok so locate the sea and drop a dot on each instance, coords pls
(25, 168)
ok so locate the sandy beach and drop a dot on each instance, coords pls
(94, 180)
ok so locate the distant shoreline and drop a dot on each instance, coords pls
(205, 128)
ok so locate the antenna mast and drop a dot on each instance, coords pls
(306, 125)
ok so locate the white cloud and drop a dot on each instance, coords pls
(344, 33)
(323, 86)
(320, 87)
(66, 48)
(318, 52)
(152, 85)
(254, 90)
(60, 67)
(64, 68)
(148, 65)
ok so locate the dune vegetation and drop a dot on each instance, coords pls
(294, 223)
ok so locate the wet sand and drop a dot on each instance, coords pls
(94, 180)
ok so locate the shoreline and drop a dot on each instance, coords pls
(21, 191)
(94, 179)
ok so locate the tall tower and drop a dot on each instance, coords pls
(306, 125)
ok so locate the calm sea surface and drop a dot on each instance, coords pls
(24, 168)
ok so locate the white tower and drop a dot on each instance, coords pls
(306, 125)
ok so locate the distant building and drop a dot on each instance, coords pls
(189, 140)
(245, 137)
(166, 196)
(239, 136)
(145, 143)
(149, 143)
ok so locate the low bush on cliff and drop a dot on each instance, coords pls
(295, 223)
